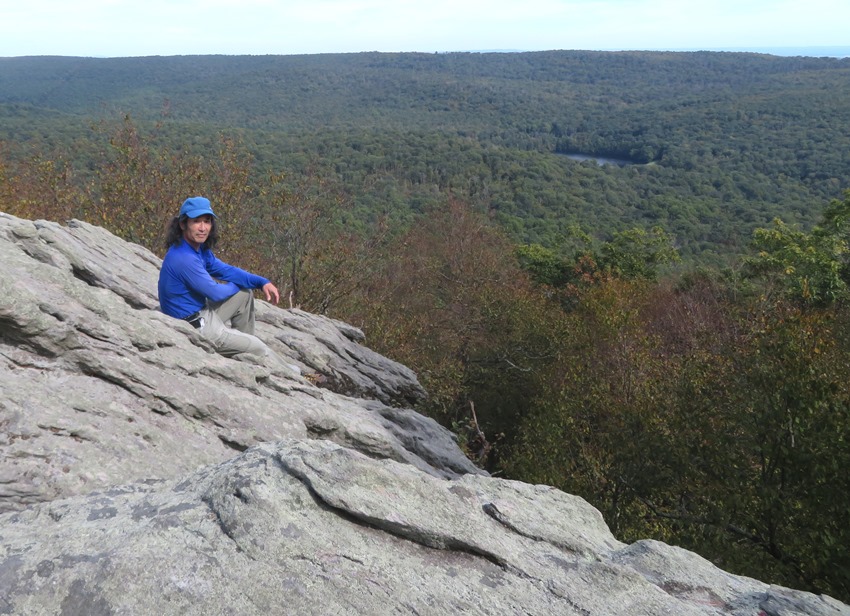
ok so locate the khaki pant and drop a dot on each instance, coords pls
(238, 311)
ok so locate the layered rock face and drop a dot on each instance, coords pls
(141, 473)
(99, 387)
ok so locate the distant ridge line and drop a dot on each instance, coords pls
(819, 51)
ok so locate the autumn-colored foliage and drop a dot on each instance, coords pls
(712, 422)
(451, 302)
(40, 187)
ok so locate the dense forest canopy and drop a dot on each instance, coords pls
(722, 142)
(669, 338)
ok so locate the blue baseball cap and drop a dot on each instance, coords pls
(196, 206)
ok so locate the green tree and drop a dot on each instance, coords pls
(543, 264)
(811, 267)
(637, 253)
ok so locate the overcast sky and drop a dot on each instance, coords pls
(117, 28)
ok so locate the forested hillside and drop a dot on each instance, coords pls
(645, 335)
(721, 142)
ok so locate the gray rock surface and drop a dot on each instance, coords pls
(97, 387)
(141, 473)
(311, 527)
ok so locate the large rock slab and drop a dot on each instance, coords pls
(97, 387)
(310, 527)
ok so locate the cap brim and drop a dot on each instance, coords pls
(198, 213)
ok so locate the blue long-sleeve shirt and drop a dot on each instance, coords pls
(188, 279)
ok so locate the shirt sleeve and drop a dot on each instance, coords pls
(198, 279)
(223, 271)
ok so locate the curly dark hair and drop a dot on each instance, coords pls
(174, 232)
